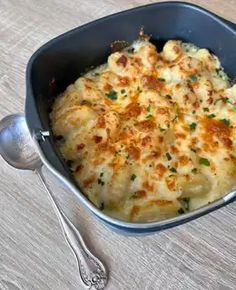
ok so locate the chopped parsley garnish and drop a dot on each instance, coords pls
(204, 161)
(169, 97)
(193, 112)
(95, 74)
(133, 176)
(101, 174)
(112, 95)
(161, 79)
(225, 121)
(101, 182)
(193, 78)
(162, 129)
(205, 109)
(168, 156)
(193, 126)
(149, 116)
(122, 91)
(211, 116)
(149, 108)
(224, 100)
(172, 169)
(194, 170)
(139, 90)
(127, 156)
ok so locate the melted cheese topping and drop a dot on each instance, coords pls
(150, 135)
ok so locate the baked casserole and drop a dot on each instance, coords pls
(150, 135)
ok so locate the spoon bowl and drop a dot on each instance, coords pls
(16, 144)
(18, 149)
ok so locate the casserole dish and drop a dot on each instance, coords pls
(59, 62)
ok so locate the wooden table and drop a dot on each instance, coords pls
(33, 252)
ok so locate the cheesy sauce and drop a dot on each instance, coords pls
(150, 135)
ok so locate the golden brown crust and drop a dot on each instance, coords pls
(148, 131)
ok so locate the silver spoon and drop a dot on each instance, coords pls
(18, 149)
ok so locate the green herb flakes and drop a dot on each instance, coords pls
(101, 182)
(112, 95)
(205, 109)
(168, 156)
(162, 129)
(204, 161)
(211, 116)
(169, 97)
(194, 170)
(193, 126)
(172, 169)
(193, 78)
(139, 90)
(224, 100)
(225, 121)
(133, 176)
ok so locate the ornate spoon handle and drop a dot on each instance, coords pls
(93, 274)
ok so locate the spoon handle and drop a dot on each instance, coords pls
(92, 271)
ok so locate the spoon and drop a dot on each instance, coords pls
(18, 149)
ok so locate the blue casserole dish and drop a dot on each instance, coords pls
(60, 61)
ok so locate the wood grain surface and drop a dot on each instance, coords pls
(33, 254)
